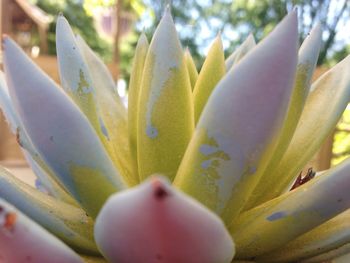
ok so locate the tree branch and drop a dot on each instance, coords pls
(332, 34)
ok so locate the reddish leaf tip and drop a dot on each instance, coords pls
(10, 220)
(159, 190)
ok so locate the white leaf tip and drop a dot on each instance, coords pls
(167, 10)
(167, 14)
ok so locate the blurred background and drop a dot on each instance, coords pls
(112, 27)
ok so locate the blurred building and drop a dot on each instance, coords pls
(22, 21)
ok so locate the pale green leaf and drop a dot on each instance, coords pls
(236, 132)
(69, 223)
(328, 98)
(165, 121)
(60, 132)
(112, 113)
(88, 82)
(134, 93)
(326, 237)
(211, 73)
(191, 68)
(278, 221)
(240, 52)
(47, 178)
(307, 60)
(338, 255)
(38, 165)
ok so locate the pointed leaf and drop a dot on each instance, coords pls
(104, 111)
(31, 155)
(326, 237)
(236, 132)
(171, 227)
(60, 132)
(47, 178)
(134, 92)
(75, 77)
(165, 122)
(112, 113)
(338, 255)
(332, 92)
(6, 105)
(22, 240)
(191, 68)
(274, 223)
(240, 52)
(40, 168)
(69, 223)
(211, 73)
(307, 60)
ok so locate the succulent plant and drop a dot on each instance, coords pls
(197, 168)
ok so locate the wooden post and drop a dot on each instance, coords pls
(8, 146)
(5, 21)
(6, 10)
(116, 53)
(43, 40)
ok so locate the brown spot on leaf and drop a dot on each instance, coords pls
(159, 190)
(10, 220)
(18, 138)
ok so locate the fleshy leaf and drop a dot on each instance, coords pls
(92, 90)
(48, 180)
(274, 223)
(307, 60)
(60, 132)
(134, 92)
(211, 73)
(165, 122)
(171, 227)
(69, 223)
(113, 114)
(338, 255)
(240, 52)
(332, 92)
(326, 237)
(191, 68)
(236, 132)
(6, 105)
(22, 240)
(40, 168)
(32, 156)
(75, 77)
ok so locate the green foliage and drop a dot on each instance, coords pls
(258, 17)
(341, 145)
(127, 48)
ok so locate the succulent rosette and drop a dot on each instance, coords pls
(197, 168)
